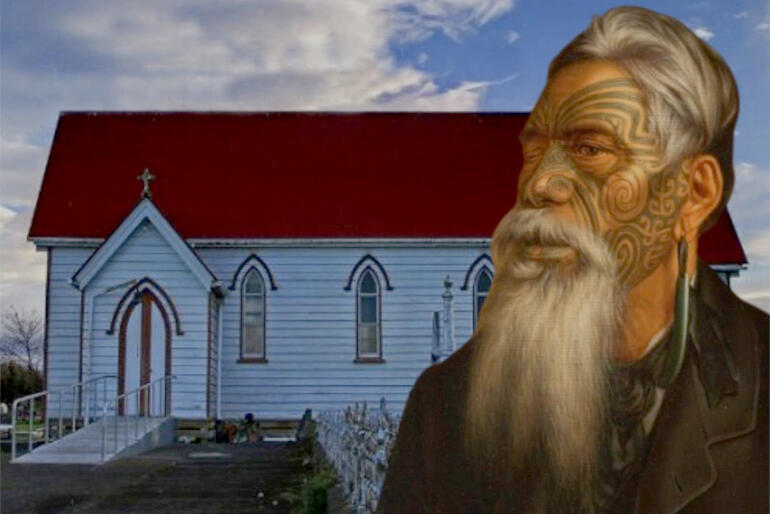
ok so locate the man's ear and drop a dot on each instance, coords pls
(706, 186)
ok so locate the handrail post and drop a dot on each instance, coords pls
(61, 416)
(31, 422)
(84, 392)
(104, 428)
(147, 407)
(13, 429)
(73, 409)
(47, 418)
(136, 417)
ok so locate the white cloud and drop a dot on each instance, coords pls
(759, 247)
(512, 37)
(764, 26)
(741, 15)
(199, 55)
(704, 33)
(422, 58)
(22, 269)
(21, 164)
(6, 215)
(275, 55)
(416, 19)
(750, 212)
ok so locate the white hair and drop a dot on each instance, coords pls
(691, 95)
(538, 377)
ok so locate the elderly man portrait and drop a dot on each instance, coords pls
(611, 371)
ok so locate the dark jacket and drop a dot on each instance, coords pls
(708, 451)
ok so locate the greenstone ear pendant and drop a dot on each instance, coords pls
(678, 342)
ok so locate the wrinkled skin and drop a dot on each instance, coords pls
(589, 157)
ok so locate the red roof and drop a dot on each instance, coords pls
(294, 175)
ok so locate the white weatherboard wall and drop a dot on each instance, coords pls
(63, 330)
(311, 326)
(146, 254)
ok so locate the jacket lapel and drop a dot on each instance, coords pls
(714, 399)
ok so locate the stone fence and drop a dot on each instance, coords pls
(357, 443)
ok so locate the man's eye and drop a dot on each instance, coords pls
(533, 153)
(585, 150)
(531, 156)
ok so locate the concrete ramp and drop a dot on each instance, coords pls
(123, 436)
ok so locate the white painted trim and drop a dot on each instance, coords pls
(292, 242)
(69, 242)
(344, 242)
(145, 210)
(728, 267)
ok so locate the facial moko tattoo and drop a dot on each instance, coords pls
(592, 153)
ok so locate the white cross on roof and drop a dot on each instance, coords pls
(146, 177)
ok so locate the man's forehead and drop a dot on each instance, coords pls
(580, 78)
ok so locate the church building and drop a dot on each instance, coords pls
(275, 262)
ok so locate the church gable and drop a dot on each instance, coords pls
(145, 252)
(148, 238)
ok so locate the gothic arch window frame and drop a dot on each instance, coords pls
(145, 284)
(483, 271)
(253, 261)
(483, 260)
(369, 357)
(254, 358)
(368, 261)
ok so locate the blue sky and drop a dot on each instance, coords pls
(460, 55)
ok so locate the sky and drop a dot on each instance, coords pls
(374, 55)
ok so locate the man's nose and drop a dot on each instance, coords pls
(553, 180)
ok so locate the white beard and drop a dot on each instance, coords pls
(538, 380)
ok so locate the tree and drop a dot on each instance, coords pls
(16, 381)
(21, 339)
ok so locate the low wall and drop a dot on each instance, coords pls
(357, 443)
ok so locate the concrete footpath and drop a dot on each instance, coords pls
(180, 478)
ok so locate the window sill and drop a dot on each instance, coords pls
(369, 360)
(252, 360)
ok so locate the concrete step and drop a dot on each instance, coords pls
(85, 445)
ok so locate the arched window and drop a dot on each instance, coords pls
(253, 317)
(369, 345)
(480, 292)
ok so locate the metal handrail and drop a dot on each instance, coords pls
(76, 407)
(144, 402)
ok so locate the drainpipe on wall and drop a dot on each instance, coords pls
(221, 309)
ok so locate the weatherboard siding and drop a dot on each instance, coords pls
(145, 253)
(311, 326)
(63, 325)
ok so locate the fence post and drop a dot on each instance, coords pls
(448, 344)
(356, 442)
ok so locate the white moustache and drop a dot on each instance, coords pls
(528, 238)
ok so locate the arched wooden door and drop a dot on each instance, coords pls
(144, 355)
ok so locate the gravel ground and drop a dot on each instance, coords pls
(251, 478)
